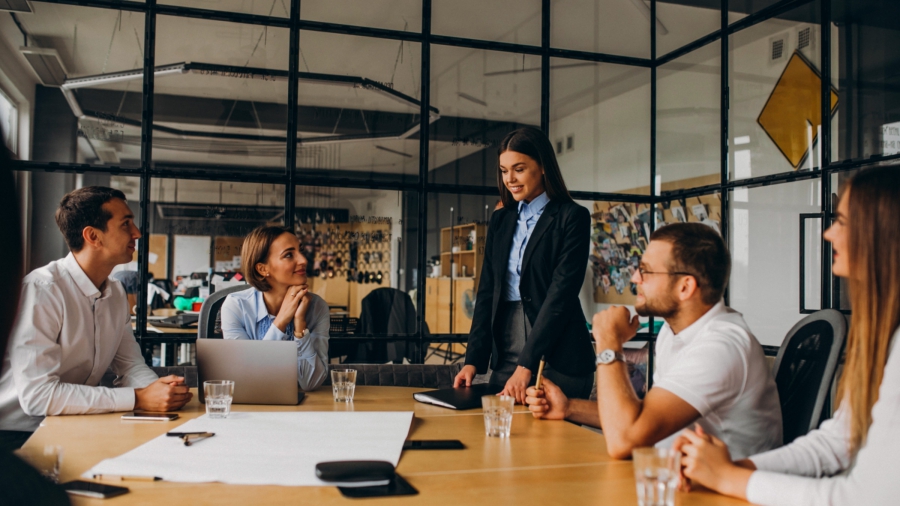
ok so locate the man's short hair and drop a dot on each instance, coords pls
(698, 250)
(84, 208)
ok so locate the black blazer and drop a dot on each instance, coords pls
(553, 270)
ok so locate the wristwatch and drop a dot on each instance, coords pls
(302, 334)
(608, 356)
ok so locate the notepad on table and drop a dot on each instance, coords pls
(457, 398)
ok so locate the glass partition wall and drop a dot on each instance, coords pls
(371, 130)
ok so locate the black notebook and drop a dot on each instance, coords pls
(458, 398)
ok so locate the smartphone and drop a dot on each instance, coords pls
(153, 417)
(92, 489)
(435, 444)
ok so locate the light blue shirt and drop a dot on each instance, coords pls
(244, 316)
(529, 213)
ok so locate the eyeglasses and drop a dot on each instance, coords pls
(642, 273)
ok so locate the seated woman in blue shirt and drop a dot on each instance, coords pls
(279, 306)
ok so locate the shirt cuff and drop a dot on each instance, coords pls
(305, 348)
(124, 399)
(274, 334)
(773, 488)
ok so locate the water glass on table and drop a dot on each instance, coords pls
(498, 412)
(656, 473)
(47, 460)
(343, 384)
(218, 395)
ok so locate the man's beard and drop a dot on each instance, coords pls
(665, 306)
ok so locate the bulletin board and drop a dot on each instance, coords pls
(227, 253)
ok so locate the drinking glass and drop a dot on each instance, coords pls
(343, 384)
(498, 411)
(46, 460)
(218, 395)
(656, 475)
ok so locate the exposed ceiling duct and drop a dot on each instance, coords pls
(46, 64)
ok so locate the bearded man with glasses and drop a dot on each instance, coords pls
(710, 369)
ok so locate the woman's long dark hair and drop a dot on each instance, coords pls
(533, 143)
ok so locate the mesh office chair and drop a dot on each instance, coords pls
(804, 370)
(210, 324)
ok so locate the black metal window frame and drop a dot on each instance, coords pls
(292, 178)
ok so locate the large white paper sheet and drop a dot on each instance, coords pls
(265, 448)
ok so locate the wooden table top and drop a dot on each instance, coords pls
(543, 462)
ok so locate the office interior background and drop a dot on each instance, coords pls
(371, 128)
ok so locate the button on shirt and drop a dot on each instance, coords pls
(68, 334)
(245, 316)
(719, 368)
(529, 213)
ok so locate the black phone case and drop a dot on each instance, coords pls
(107, 491)
(397, 486)
(355, 470)
(442, 444)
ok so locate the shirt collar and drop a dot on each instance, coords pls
(536, 206)
(697, 327)
(261, 311)
(81, 279)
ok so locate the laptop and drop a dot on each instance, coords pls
(264, 372)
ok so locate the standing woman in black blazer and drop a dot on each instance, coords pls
(535, 258)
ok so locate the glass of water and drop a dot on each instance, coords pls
(498, 412)
(218, 395)
(47, 460)
(656, 472)
(343, 384)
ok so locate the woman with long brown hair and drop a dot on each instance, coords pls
(535, 257)
(852, 458)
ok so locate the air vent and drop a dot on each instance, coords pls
(803, 39)
(777, 49)
(46, 64)
(15, 6)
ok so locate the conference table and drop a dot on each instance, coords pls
(542, 462)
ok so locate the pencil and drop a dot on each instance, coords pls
(540, 375)
(116, 477)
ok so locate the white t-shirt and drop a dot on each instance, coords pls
(719, 368)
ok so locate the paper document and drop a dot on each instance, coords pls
(265, 448)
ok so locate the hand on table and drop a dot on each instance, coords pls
(517, 383)
(464, 377)
(705, 460)
(549, 403)
(168, 393)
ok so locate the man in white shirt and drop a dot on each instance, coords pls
(710, 369)
(74, 324)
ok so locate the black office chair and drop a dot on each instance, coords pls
(210, 324)
(384, 311)
(402, 375)
(804, 370)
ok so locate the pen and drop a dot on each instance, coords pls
(189, 439)
(182, 434)
(116, 477)
(540, 375)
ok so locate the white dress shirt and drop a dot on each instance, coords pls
(67, 335)
(719, 368)
(818, 469)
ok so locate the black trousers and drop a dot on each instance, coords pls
(13, 439)
(515, 328)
